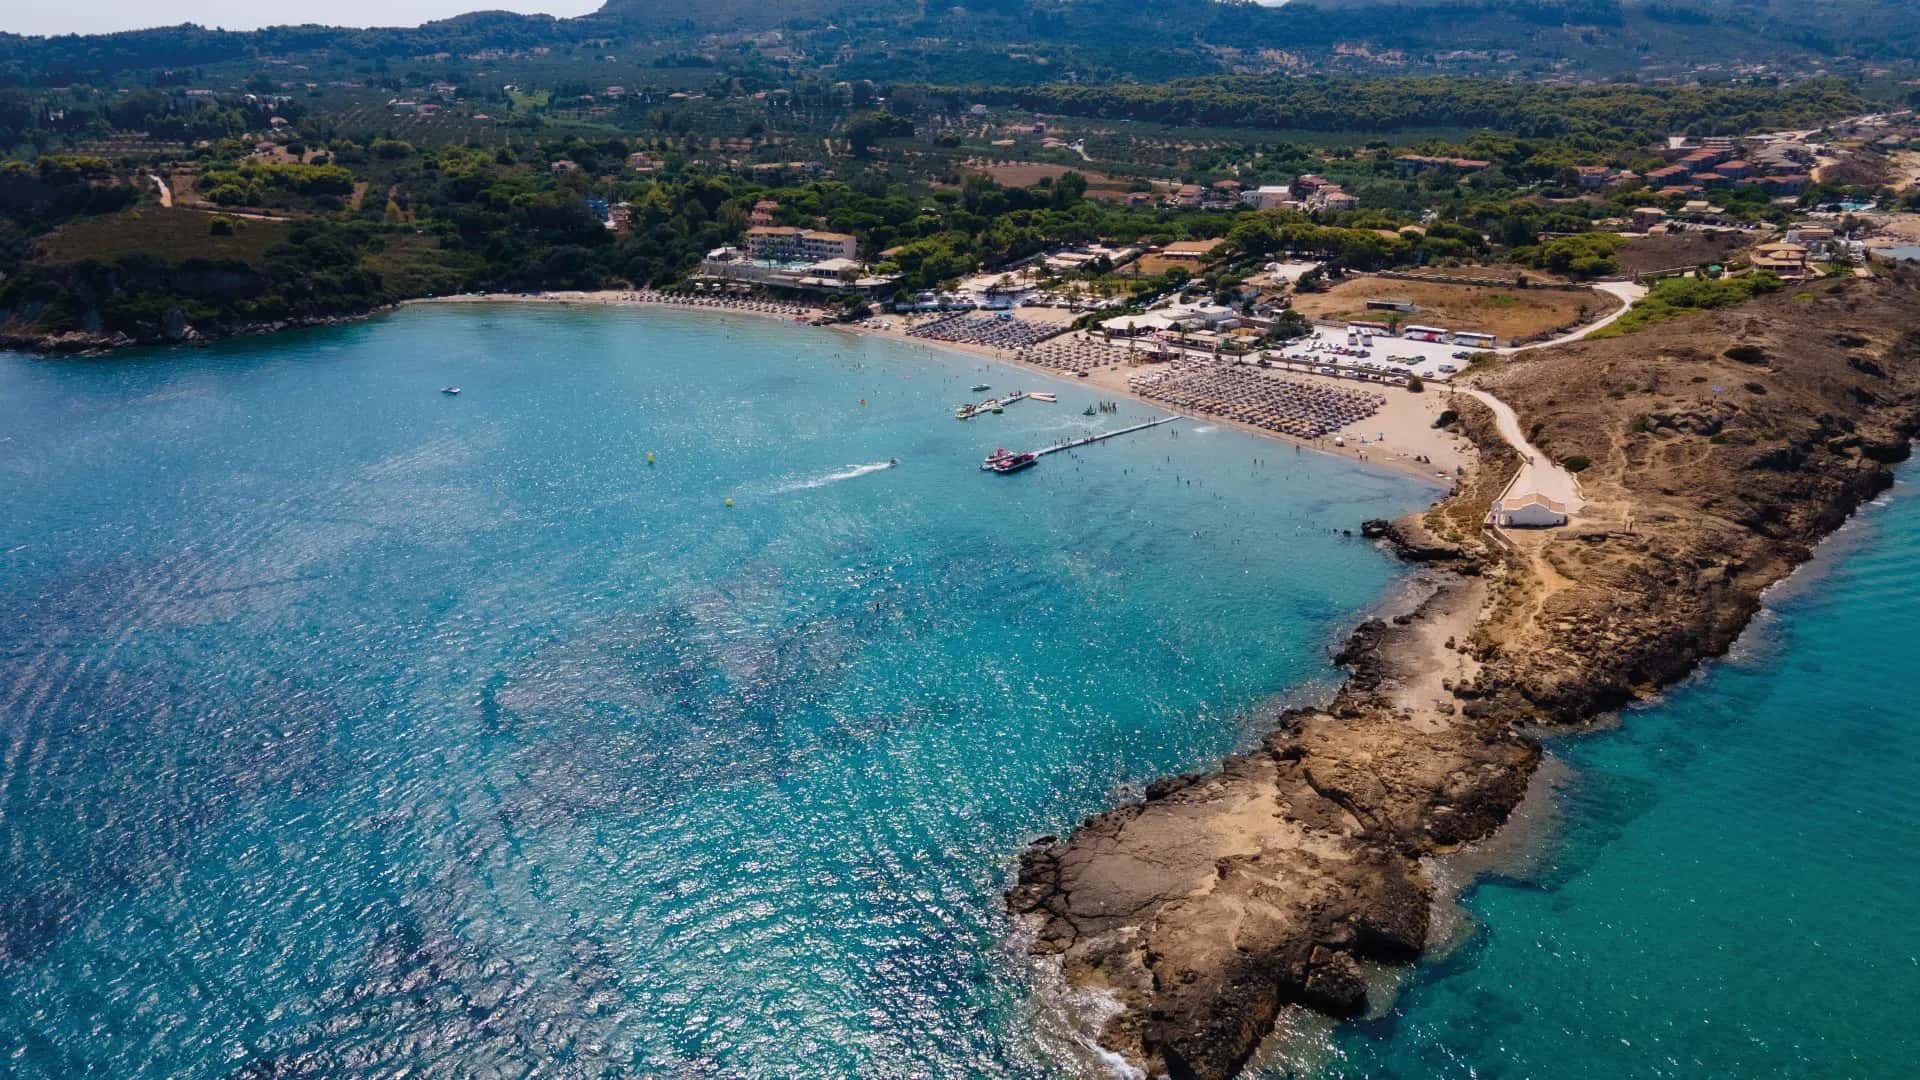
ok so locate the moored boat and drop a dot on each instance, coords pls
(1013, 463)
(1048, 398)
(981, 388)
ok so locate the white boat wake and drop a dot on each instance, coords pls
(847, 473)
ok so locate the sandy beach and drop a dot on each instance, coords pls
(1393, 438)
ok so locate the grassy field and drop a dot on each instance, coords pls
(1506, 313)
(1029, 173)
(175, 234)
(1149, 265)
(415, 265)
(529, 101)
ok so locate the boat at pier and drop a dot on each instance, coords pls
(1003, 460)
(981, 388)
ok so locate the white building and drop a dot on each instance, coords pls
(831, 275)
(1530, 511)
(1268, 197)
(783, 243)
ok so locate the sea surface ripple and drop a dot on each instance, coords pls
(350, 728)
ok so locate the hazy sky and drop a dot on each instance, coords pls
(105, 16)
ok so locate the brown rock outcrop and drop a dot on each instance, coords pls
(1224, 896)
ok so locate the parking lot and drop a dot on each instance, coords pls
(1328, 346)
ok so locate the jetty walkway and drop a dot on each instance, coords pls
(1102, 436)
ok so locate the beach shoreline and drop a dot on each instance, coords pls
(1406, 422)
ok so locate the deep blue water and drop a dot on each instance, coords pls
(1728, 884)
(350, 728)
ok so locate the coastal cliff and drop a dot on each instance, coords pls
(1718, 450)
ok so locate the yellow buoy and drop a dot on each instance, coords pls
(729, 502)
(649, 457)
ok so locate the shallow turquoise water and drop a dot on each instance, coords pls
(346, 727)
(1729, 883)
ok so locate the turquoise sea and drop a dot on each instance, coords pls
(349, 728)
(1724, 886)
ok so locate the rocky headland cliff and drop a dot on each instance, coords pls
(1714, 452)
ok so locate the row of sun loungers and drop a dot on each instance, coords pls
(988, 330)
(729, 303)
(1302, 409)
(1074, 355)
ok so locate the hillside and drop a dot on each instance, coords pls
(1033, 41)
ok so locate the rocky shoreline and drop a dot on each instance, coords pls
(83, 343)
(1221, 897)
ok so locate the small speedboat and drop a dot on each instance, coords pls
(965, 412)
(449, 389)
(981, 388)
(999, 455)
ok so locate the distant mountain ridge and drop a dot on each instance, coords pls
(1613, 35)
(1037, 41)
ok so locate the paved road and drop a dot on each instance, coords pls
(1629, 294)
(1537, 471)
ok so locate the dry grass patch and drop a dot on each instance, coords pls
(1503, 311)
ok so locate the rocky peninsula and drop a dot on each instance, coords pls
(1714, 452)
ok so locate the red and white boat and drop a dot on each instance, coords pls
(1013, 463)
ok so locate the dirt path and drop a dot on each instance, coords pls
(1629, 293)
(166, 193)
(1537, 471)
